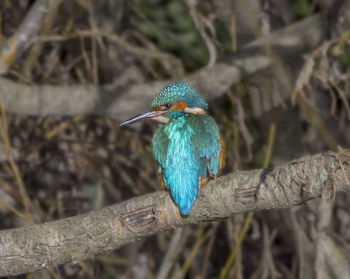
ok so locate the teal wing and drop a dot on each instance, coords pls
(185, 149)
(178, 162)
(160, 144)
(207, 144)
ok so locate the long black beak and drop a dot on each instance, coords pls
(143, 116)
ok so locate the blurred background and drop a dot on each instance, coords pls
(276, 74)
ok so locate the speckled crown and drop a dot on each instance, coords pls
(176, 92)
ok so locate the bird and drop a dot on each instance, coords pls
(187, 144)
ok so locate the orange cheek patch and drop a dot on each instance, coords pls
(180, 106)
(156, 108)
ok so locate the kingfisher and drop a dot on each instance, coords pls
(187, 145)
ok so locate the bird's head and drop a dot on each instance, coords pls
(174, 100)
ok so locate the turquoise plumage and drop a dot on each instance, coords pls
(187, 146)
(192, 150)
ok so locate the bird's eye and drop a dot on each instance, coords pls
(167, 106)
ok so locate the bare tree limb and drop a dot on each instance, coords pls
(117, 99)
(73, 239)
(26, 33)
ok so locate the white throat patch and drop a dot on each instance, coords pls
(194, 110)
(161, 119)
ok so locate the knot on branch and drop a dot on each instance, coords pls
(142, 221)
(246, 195)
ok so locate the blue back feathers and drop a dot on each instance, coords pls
(187, 147)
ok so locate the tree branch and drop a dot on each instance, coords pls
(115, 100)
(26, 33)
(73, 239)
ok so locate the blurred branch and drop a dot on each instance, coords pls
(177, 244)
(4, 153)
(35, 52)
(196, 17)
(73, 239)
(116, 99)
(14, 167)
(26, 33)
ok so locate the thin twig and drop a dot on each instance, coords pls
(26, 33)
(250, 215)
(15, 170)
(201, 29)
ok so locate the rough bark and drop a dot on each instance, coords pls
(73, 239)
